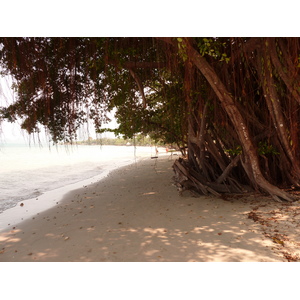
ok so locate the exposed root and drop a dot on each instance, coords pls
(187, 178)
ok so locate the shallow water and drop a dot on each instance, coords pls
(27, 172)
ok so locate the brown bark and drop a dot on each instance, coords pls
(275, 109)
(249, 159)
(250, 163)
(140, 86)
(291, 83)
(138, 64)
(188, 180)
(295, 128)
(228, 169)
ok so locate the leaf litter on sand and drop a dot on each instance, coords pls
(280, 223)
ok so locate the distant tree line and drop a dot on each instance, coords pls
(138, 140)
(233, 103)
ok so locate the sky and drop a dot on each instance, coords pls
(11, 133)
(154, 18)
(160, 18)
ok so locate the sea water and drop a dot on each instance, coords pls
(29, 171)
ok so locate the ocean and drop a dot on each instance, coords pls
(29, 171)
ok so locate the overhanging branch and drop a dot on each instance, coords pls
(140, 86)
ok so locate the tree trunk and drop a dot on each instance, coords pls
(250, 161)
(291, 83)
(275, 109)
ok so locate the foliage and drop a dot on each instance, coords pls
(138, 140)
(264, 149)
(213, 47)
(218, 97)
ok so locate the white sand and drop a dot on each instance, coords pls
(136, 215)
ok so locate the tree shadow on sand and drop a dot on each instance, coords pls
(112, 221)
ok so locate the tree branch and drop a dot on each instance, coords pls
(233, 163)
(140, 86)
(292, 86)
(138, 64)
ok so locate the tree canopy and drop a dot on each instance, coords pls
(233, 103)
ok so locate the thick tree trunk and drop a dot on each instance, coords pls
(250, 161)
(275, 109)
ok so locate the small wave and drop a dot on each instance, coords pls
(31, 173)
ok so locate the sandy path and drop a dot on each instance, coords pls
(136, 214)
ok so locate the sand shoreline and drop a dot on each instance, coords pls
(28, 208)
(135, 214)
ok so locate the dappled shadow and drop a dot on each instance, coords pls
(138, 218)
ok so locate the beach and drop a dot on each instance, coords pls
(136, 214)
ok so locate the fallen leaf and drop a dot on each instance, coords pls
(219, 233)
(277, 241)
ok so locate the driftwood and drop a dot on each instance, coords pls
(228, 169)
(188, 179)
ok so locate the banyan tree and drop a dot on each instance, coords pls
(230, 104)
